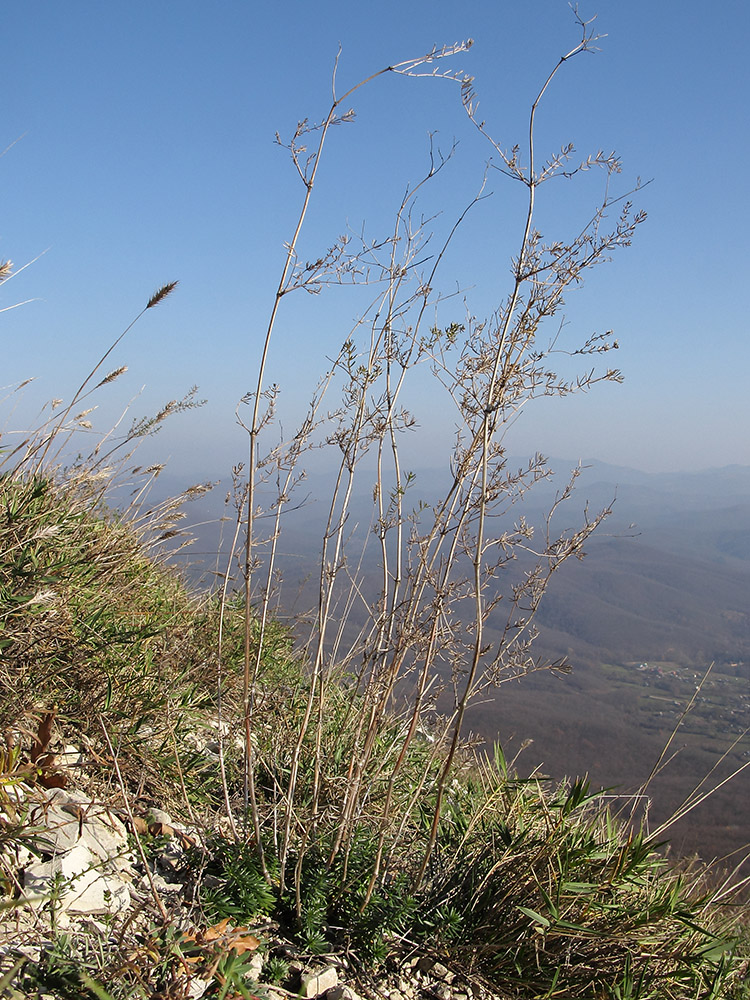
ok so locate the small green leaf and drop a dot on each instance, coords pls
(95, 987)
(536, 917)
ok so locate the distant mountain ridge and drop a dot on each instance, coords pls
(668, 570)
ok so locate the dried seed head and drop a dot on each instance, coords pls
(113, 375)
(43, 597)
(48, 532)
(162, 293)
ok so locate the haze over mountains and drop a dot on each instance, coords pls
(675, 584)
(665, 582)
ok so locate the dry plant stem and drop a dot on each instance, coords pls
(503, 360)
(386, 619)
(7, 272)
(660, 763)
(183, 789)
(390, 594)
(384, 675)
(220, 675)
(308, 177)
(695, 799)
(131, 817)
(285, 458)
(329, 570)
(437, 613)
(731, 886)
(352, 784)
(284, 282)
(331, 560)
(416, 716)
(316, 693)
(415, 624)
(155, 299)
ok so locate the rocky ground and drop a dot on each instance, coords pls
(111, 878)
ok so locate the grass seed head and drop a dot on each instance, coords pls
(161, 294)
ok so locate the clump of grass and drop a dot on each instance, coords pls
(160, 961)
(94, 629)
(88, 622)
(542, 888)
(537, 889)
(94, 626)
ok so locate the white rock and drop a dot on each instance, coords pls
(71, 817)
(70, 757)
(350, 994)
(31, 951)
(80, 798)
(315, 983)
(17, 792)
(159, 816)
(17, 855)
(161, 884)
(85, 888)
(255, 966)
(219, 726)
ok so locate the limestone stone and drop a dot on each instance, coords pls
(255, 966)
(159, 816)
(70, 757)
(197, 988)
(85, 888)
(440, 971)
(314, 984)
(71, 817)
(349, 994)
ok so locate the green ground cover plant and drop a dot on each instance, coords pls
(338, 801)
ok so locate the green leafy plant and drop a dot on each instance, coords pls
(232, 882)
(275, 970)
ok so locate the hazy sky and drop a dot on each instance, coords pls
(145, 153)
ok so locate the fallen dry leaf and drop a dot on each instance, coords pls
(43, 736)
(238, 939)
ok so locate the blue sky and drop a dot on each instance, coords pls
(145, 153)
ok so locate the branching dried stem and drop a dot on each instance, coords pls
(292, 277)
(461, 579)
